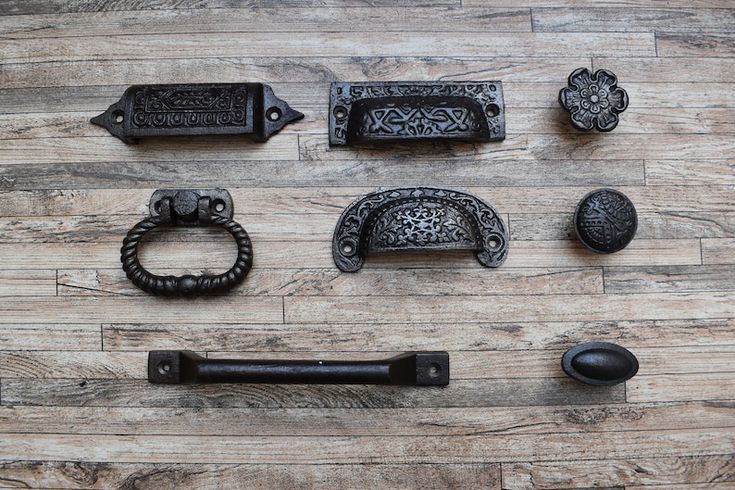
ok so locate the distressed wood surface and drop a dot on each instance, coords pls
(76, 410)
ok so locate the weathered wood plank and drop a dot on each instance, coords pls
(517, 336)
(314, 147)
(332, 200)
(459, 393)
(667, 224)
(435, 449)
(681, 387)
(406, 172)
(275, 282)
(21, 7)
(367, 422)
(609, 3)
(50, 336)
(692, 172)
(110, 149)
(632, 19)
(139, 309)
(258, 476)
(101, 73)
(669, 279)
(161, 255)
(283, 19)
(695, 45)
(326, 44)
(718, 251)
(465, 365)
(638, 471)
(686, 486)
(667, 70)
(27, 283)
(519, 120)
(657, 306)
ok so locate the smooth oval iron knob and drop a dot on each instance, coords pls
(599, 363)
(605, 221)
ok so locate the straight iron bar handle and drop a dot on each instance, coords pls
(410, 368)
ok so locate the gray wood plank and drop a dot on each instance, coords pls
(461, 393)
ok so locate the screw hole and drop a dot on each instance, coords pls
(347, 249)
(434, 370)
(492, 110)
(340, 112)
(118, 117)
(164, 368)
(273, 114)
(219, 205)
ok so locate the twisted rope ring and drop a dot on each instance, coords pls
(186, 285)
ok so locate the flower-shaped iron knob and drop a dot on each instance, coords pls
(593, 100)
(605, 221)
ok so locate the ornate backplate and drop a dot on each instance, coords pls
(418, 218)
(197, 109)
(385, 111)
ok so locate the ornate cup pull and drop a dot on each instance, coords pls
(385, 111)
(197, 109)
(186, 207)
(418, 218)
(599, 363)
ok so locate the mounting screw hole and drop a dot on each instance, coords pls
(164, 367)
(118, 117)
(273, 114)
(219, 205)
(340, 112)
(347, 249)
(492, 110)
(434, 370)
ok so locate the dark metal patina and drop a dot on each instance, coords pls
(593, 100)
(418, 218)
(605, 221)
(197, 109)
(388, 111)
(410, 368)
(187, 207)
(599, 363)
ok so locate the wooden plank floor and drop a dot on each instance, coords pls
(75, 408)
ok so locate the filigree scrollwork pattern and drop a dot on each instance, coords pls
(418, 218)
(367, 111)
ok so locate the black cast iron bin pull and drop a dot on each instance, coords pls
(388, 111)
(410, 368)
(187, 207)
(418, 219)
(197, 109)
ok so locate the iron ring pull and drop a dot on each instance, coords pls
(165, 212)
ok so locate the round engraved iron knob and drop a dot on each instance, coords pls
(593, 100)
(605, 221)
(599, 363)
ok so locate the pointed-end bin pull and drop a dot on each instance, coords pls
(197, 109)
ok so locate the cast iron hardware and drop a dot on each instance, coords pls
(599, 363)
(410, 368)
(605, 221)
(197, 109)
(418, 218)
(385, 111)
(593, 100)
(186, 207)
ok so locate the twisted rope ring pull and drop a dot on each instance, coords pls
(184, 207)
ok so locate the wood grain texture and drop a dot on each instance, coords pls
(76, 410)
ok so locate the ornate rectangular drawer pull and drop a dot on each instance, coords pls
(197, 109)
(410, 368)
(385, 111)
